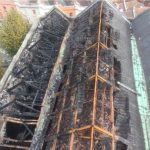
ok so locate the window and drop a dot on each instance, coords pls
(33, 1)
(34, 12)
(12, 8)
(4, 8)
(71, 14)
(1, 15)
(51, 2)
(46, 3)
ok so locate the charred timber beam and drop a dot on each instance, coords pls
(34, 86)
(14, 146)
(16, 141)
(16, 73)
(28, 129)
(6, 105)
(34, 44)
(52, 34)
(49, 99)
(35, 98)
(13, 87)
(26, 106)
(18, 121)
(24, 114)
(43, 53)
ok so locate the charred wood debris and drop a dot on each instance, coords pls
(89, 76)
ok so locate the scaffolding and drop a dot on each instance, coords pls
(83, 116)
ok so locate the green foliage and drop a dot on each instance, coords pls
(13, 31)
(2, 70)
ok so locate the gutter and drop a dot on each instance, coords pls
(142, 99)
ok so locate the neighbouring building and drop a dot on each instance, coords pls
(34, 9)
(5, 6)
(131, 8)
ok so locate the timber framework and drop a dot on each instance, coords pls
(65, 89)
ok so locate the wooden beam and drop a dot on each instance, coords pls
(103, 131)
(19, 121)
(6, 105)
(26, 106)
(50, 97)
(17, 141)
(14, 146)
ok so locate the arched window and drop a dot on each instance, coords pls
(34, 12)
(1, 15)
(4, 8)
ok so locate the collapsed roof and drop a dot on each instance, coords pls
(68, 85)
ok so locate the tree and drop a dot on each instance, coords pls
(13, 30)
(2, 70)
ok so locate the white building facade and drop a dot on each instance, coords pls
(32, 9)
